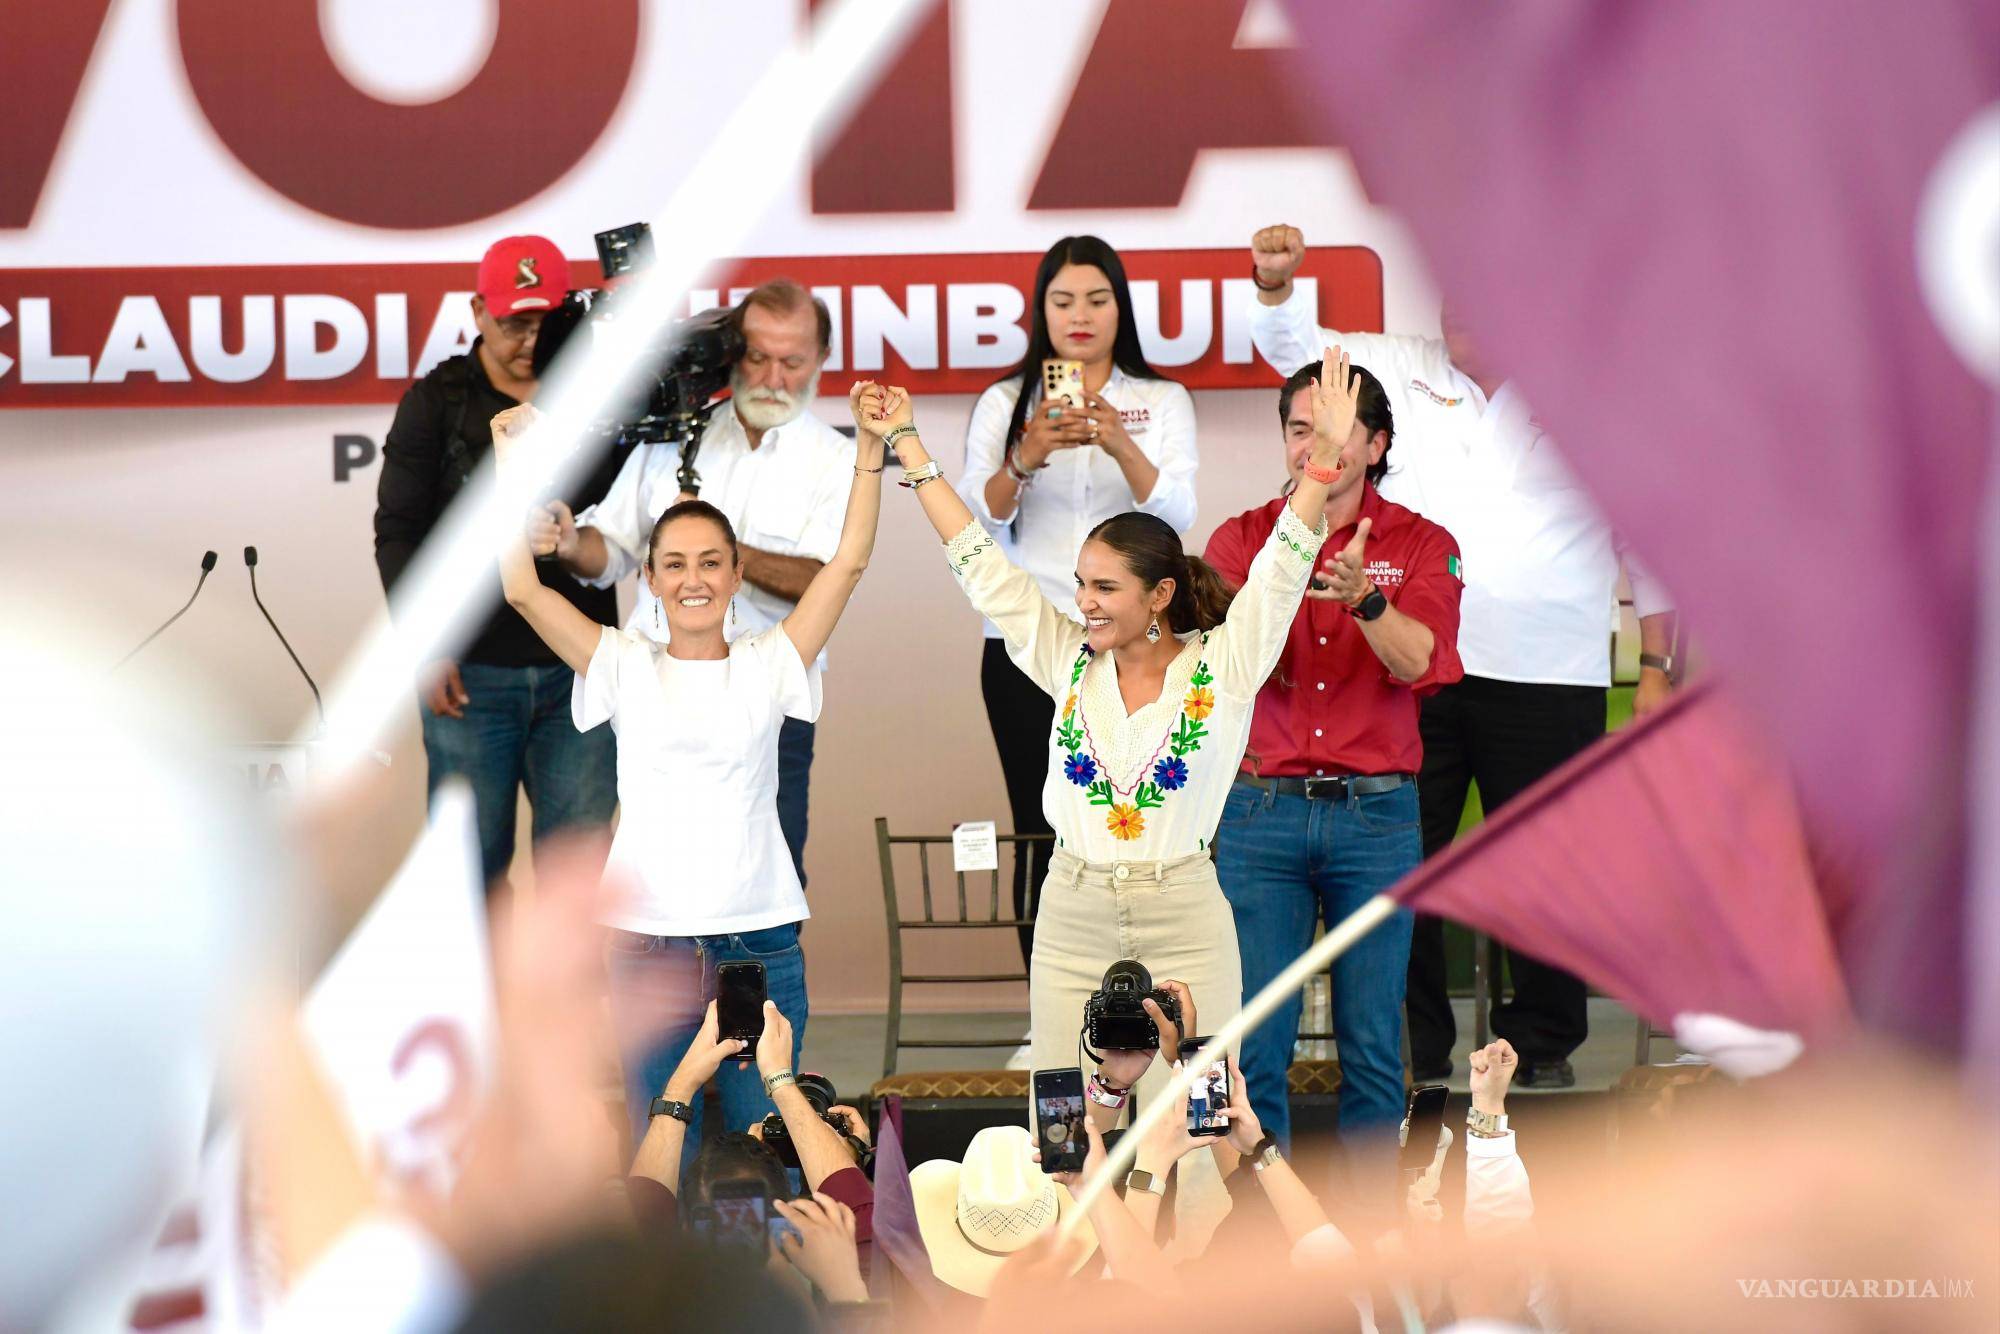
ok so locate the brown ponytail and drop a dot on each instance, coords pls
(1152, 550)
(1201, 600)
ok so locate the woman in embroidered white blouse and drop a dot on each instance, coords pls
(1153, 694)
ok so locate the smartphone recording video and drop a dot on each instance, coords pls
(1059, 1113)
(1062, 380)
(738, 1215)
(1208, 1095)
(739, 1003)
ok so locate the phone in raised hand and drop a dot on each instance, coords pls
(1208, 1094)
(1059, 1117)
(739, 1004)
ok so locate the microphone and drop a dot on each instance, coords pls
(207, 564)
(250, 560)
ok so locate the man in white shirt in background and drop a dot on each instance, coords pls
(1541, 570)
(778, 472)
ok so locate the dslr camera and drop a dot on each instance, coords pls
(666, 399)
(1114, 1016)
(821, 1097)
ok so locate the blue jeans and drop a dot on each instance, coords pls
(517, 732)
(1284, 860)
(660, 989)
(795, 761)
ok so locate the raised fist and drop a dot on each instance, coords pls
(1277, 253)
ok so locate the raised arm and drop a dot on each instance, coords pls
(1040, 639)
(811, 622)
(890, 412)
(572, 635)
(1285, 326)
(1245, 648)
(822, 1152)
(1298, 1209)
(1336, 400)
(659, 1152)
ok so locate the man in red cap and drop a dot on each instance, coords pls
(498, 715)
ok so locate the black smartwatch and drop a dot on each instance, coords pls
(1371, 607)
(680, 1111)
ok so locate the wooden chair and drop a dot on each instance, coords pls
(1020, 845)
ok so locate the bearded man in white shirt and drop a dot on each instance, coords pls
(778, 472)
(1540, 572)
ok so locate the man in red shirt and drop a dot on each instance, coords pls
(1324, 814)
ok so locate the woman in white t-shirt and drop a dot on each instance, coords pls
(699, 846)
(1039, 475)
(1153, 692)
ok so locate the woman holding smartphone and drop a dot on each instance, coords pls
(1152, 697)
(1042, 470)
(697, 718)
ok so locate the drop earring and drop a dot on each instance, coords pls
(1153, 631)
(658, 615)
(729, 619)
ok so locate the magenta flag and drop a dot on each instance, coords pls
(1665, 866)
(895, 1220)
(1723, 248)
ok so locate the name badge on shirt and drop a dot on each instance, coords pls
(1136, 420)
(1382, 572)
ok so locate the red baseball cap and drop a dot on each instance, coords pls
(521, 274)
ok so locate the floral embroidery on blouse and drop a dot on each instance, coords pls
(1169, 773)
(1125, 822)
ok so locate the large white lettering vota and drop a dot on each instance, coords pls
(320, 337)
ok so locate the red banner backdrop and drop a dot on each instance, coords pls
(357, 333)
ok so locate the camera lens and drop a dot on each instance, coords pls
(1127, 975)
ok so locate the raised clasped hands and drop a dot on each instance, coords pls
(880, 408)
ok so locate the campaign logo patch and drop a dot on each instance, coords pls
(1455, 568)
(1434, 395)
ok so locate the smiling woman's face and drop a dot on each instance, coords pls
(1117, 605)
(693, 572)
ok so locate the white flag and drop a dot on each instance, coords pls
(402, 1020)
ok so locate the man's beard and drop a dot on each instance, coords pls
(768, 409)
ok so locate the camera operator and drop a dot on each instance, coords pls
(498, 714)
(778, 472)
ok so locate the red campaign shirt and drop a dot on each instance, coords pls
(1331, 707)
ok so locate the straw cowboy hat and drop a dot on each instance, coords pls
(975, 1214)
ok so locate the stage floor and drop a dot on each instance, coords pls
(848, 1048)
